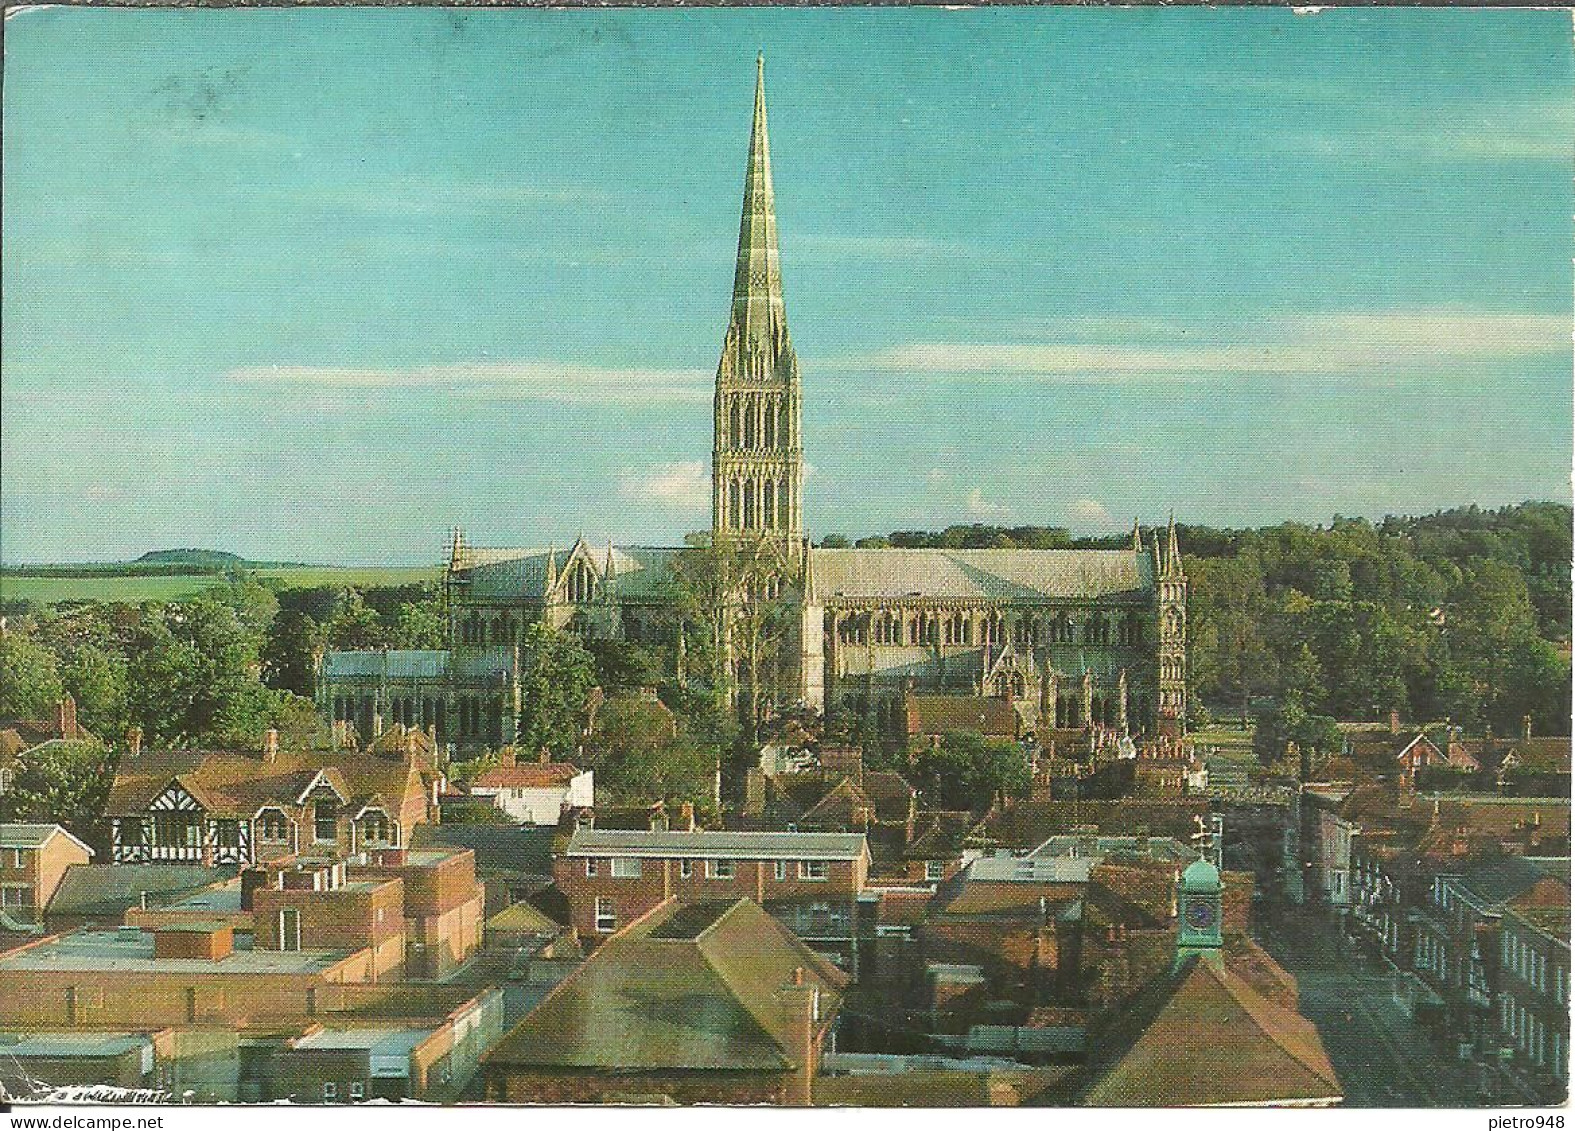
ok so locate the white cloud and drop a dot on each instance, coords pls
(1091, 513)
(1381, 345)
(986, 509)
(680, 486)
(563, 382)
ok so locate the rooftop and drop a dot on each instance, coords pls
(680, 989)
(70, 1044)
(1015, 574)
(733, 845)
(118, 950)
(32, 836)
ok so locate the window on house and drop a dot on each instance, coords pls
(781, 870)
(812, 870)
(935, 869)
(590, 866)
(720, 869)
(330, 1090)
(374, 827)
(228, 834)
(273, 826)
(686, 869)
(606, 915)
(325, 820)
(625, 868)
(357, 1090)
(18, 855)
(15, 896)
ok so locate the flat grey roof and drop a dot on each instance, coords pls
(723, 845)
(106, 951)
(70, 1044)
(225, 898)
(383, 1042)
(1028, 870)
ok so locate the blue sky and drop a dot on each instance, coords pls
(319, 284)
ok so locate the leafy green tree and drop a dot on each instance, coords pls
(96, 679)
(625, 666)
(289, 655)
(968, 771)
(558, 673)
(420, 624)
(355, 626)
(30, 684)
(65, 785)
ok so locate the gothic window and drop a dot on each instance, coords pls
(771, 423)
(915, 629)
(374, 827)
(769, 491)
(751, 516)
(732, 504)
(735, 433)
(582, 583)
(749, 423)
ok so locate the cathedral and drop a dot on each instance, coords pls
(1081, 638)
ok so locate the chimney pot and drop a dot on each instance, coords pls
(798, 975)
(1525, 727)
(133, 741)
(271, 746)
(544, 756)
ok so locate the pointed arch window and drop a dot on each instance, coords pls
(582, 583)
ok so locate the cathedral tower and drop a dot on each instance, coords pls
(1171, 586)
(757, 456)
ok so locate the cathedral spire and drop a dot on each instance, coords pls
(759, 318)
(1137, 538)
(1172, 554)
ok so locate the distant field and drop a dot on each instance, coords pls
(49, 589)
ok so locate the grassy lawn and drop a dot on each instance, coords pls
(44, 589)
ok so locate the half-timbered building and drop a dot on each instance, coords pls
(238, 807)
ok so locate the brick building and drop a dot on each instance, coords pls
(33, 864)
(706, 1002)
(1534, 999)
(234, 807)
(613, 876)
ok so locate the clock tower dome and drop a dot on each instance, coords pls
(1199, 909)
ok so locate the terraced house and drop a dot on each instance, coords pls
(1085, 637)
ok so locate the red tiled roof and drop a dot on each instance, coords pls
(533, 776)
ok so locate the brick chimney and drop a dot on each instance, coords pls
(506, 757)
(801, 1003)
(1525, 727)
(1394, 721)
(133, 741)
(66, 717)
(544, 756)
(686, 817)
(270, 750)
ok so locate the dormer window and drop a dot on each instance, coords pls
(325, 820)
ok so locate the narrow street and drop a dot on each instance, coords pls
(1383, 1058)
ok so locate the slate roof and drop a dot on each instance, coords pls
(515, 574)
(1203, 1036)
(394, 664)
(1016, 575)
(33, 836)
(501, 850)
(707, 999)
(726, 845)
(1495, 882)
(230, 783)
(106, 891)
(937, 714)
(1028, 824)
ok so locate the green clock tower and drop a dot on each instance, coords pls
(1199, 908)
